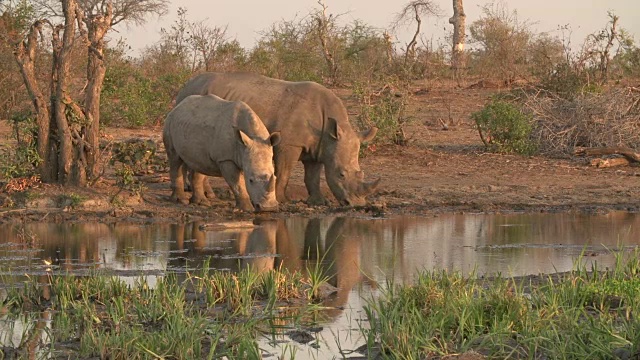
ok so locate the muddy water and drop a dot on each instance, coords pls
(359, 254)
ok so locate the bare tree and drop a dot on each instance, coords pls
(68, 139)
(598, 46)
(324, 28)
(174, 40)
(205, 40)
(414, 10)
(457, 52)
(193, 44)
(503, 43)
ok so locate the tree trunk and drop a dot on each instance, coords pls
(388, 48)
(68, 135)
(71, 163)
(627, 152)
(457, 53)
(411, 46)
(97, 27)
(323, 30)
(604, 56)
(25, 54)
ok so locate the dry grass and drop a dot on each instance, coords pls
(609, 118)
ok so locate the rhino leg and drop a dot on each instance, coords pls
(208, 191)
(197, 184)
(312, 171)
(235, 178)
(186, 173)
(176, 175)
(284, 158)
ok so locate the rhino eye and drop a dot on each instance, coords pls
(343, 175)
(251, 180)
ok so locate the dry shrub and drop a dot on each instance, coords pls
(609, 118)
(21, 184)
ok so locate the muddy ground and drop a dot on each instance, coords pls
(439, 170)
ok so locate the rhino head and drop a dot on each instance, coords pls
(257, 166)
(344, 177)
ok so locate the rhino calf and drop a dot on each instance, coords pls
(215, 137)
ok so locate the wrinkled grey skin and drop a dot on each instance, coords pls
(215, 137)
(315, 130)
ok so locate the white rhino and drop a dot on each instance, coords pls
(216, 137)
(314, 125)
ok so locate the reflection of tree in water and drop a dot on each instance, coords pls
(564, 228)
(86, 245)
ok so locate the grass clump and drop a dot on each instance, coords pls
(210, 314)
(583, 314)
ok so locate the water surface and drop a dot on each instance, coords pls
(359, 254)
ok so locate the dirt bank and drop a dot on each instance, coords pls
(438, 171)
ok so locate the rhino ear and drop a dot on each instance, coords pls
(275, 138)
(245, 139)
(367, 135)
(334, 129)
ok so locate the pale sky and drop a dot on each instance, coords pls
(246, 19)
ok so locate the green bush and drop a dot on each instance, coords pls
(21, 160)
(138, 154)
(627, 63)
(503, 127)
(288, 51)
(132, 98)
(568, 82)
(383, 107)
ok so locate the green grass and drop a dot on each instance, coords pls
(584, 314)
(588, 313)
(207, 315)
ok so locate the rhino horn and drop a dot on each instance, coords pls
(271, 186)
(370, 187)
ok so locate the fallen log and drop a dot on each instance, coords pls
(629, 153)
(605, 163)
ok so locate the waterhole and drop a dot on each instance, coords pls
(359, 254)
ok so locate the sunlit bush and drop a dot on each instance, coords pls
(21, 160)
(504, 127)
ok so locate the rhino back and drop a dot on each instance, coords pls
(202, 130)
(297, 109)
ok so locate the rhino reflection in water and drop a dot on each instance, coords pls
(294, 244)
(340, 251)
(25, 334)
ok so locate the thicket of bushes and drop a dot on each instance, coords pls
(138, 91)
